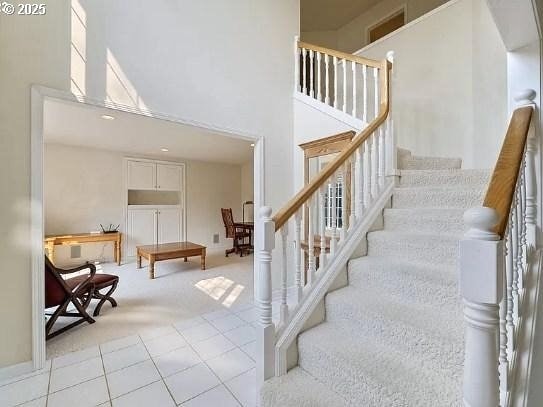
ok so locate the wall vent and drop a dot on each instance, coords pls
(75, 252)
(216, 238)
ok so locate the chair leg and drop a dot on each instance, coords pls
(61, 311)
(103, 298)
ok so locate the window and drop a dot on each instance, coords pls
(386, 26)
(328, 204)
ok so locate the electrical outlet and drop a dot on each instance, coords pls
(75, 252)
(216, 238)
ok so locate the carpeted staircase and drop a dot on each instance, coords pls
(394, 335)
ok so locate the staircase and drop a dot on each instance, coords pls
(394, 335)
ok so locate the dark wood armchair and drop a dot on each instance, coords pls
(237, 232)
(79, 291)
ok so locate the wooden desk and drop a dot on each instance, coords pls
(167, 251)
(116, 238)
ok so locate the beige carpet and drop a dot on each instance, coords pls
(179, 291)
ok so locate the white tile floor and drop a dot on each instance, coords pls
(203, 361)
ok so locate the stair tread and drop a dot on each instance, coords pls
(299, 389)
(373, 373)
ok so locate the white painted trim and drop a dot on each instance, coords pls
(19, 369)
(287, 334)
(353, 122)
(389, 16)
(408, 25)
(38, 96)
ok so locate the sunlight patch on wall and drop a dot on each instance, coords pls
(119, 88)
(78, 48)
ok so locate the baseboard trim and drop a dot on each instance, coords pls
(9, 372)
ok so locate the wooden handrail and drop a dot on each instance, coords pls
(284, 214)
(503, 183)
(341, 55)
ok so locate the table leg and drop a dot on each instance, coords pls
(203, 259)
(51, 251)
(118, 251)
(139, 260)
(115, 259)
(185, 259)
(151, 267)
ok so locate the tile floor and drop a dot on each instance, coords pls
(204, 361)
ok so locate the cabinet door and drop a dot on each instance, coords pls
(169, 225)
(141, 229)
(141, 175)
(168, 177)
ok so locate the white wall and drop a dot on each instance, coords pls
(84, 187)
(354, 35)
(449, 89)
(228, 64)
(33, 51)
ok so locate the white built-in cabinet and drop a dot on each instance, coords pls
(155, 211)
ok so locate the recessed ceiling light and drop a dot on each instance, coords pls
(164, 150)
(107, 117)
(252, 144)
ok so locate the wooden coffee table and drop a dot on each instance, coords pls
(167, 251)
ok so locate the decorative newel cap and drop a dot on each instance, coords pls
(390, 56)
(525, 97)
(265, 212)
(480, 223)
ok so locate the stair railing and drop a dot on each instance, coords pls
(345, 82)
(496, 260)
(331, 236)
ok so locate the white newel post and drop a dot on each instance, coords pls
(265, 362)
(526, 98)
(481, 279)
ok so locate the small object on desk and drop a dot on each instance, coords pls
(110, 228)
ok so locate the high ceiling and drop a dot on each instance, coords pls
(324, 15)
(77, 124)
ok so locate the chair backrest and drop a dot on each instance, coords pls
(228, 220)
(55, 288)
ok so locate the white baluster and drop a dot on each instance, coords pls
(375, 165)
(376, 92)
(344, 86)
(365, 93)
(304, 71)
(283, 313)
(322, 221)
(520, 231)
(354, 189)
(524, 240)
(481, 256)
(333, 220)
(327, 79)
(515, 240)
(360, 181)
(297, 86)
(531, 188)
(335, 83)
(298, 258)
(353, 65)
(319, 92)
(311, 267)
(366, 173)
(503, 358)
(391, 151)
(265, 339)
(311, 73)
(381, 148)
(343, 232)
(509, 271)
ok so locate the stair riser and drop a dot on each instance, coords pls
(423, 250)
(442, 178)
(438, 223)
(422, 198)
(420, 163)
